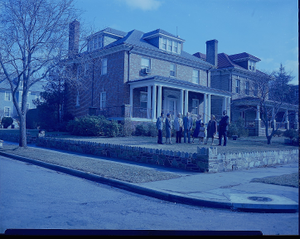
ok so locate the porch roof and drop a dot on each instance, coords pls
(254, 101)
(178, 84)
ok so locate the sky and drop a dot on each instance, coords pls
(267, 29)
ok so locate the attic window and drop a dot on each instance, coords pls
(251, 65)
(170, 45)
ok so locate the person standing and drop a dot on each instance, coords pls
(159, 126)
(201, 133)
(196, 131)
(187, 125)
(211, 129)
(178, 123)
(168, 129)
(223, 128)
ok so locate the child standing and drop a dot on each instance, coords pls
(201, 134)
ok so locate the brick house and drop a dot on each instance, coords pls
(138, 75)
(238, 74)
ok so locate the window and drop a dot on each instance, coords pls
(237, 86)
(247, 88)
(7, 96)
(195, 104)
(255, 92)
(102, 100)
(104, 66)
(170, 45)
(143, 99)
(175, 46)
(195, 76)
(172, 70)
(251, 65)
(164, 44)
(145, 63)
(6, 111)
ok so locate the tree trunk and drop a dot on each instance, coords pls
(269, 139)
(23, 138)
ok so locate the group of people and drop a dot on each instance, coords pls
(185, 126)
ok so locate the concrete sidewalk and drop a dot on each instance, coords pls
(232, 190)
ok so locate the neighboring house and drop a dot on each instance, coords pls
(238, 75)
(7, 108)
(138, 75)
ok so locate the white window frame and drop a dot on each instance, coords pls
(143, 99)
(169, 45)
(143, 65)
(247, 86)
(7, 108)
(7, 96)
(196, 76)
(103, 100)
(104, 66)
(237, 86)
(173, 70)
(164, 43)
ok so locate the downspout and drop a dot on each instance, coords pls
(128, 70)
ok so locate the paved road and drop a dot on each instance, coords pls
(34, 197)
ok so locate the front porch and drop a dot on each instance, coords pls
(152, 96)
(281, 117)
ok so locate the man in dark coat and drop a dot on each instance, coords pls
(159, 126)
(223, 128)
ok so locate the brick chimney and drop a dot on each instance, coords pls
(212, 52)
(74, 38)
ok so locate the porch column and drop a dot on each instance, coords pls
(186, 103)
(149, 102)
(209, 107)
(154, 102)
(131, 101)
(181, 103)
(257, 121)
(228, 107)
(273, 118)
(287, 119)
(205, 108)
(159, 100)
(224, 104)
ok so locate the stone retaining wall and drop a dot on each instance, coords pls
(205, 160)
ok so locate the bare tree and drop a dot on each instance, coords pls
(33, 40)
(276, 86)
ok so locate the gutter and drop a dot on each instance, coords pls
(128, 71)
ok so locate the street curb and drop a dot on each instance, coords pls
(155, 193)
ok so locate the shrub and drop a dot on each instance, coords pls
(141, 130)
(93, 126)
(111, 128)
(126, 128)
(238, 128)
(6, 122)
(290, 133)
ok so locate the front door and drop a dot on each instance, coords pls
(172, 106)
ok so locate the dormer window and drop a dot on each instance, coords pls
(251, 65)
(95, 43)
(170, 45)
